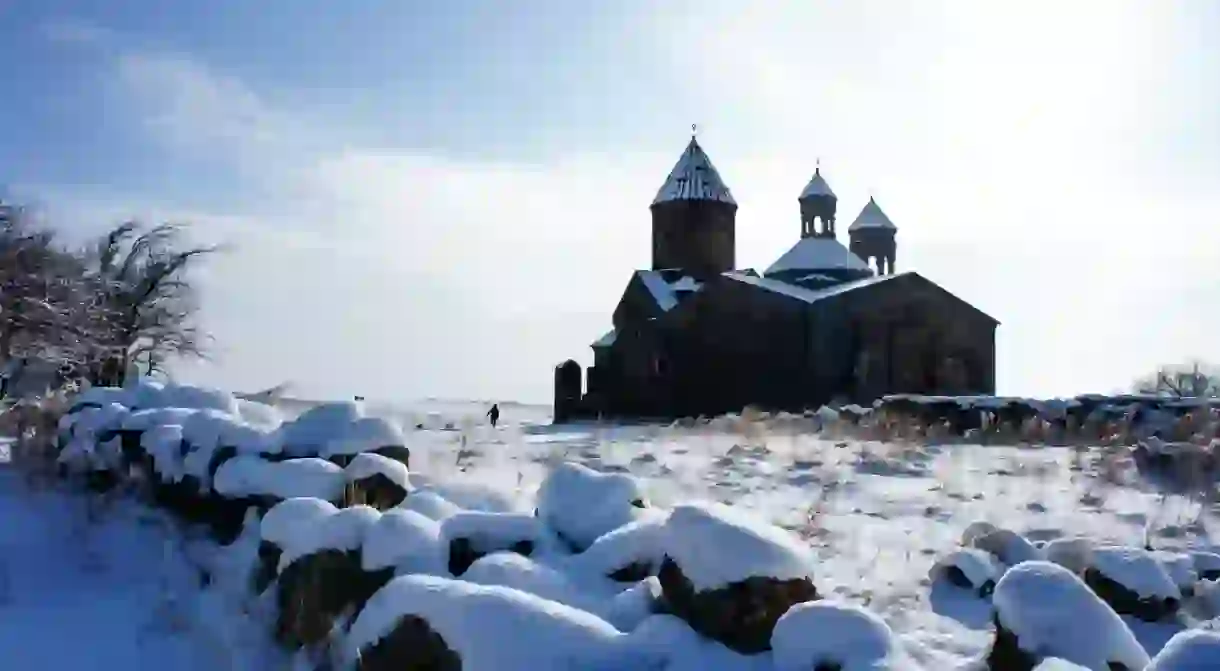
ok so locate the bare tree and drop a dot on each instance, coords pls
(149, 304)
(1190, 380)
(43, 302)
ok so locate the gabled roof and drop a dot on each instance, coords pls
(606, 340)
(814, 295)
(871, 217)
(667, 291)
(817, 186)
(814, 254)
(694, 178)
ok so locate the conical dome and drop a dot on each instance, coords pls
(871, 217)
(694, 178)
(817, 186)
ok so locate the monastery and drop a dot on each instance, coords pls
(695, 335)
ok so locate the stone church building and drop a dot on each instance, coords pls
(695, 335)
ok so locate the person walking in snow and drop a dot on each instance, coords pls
(494, 414)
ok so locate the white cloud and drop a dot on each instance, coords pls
(998, 141)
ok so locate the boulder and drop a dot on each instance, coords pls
(734, 597)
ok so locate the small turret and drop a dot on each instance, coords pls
(818, 205)
(873, 236)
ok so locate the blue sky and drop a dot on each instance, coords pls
(445, 199)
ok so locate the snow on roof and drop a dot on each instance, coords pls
(871, 217)
(820, 634)
(818, 254)
(815, 277)
(1053, 613)
(694, 178)
(606, 340)
(488, 626)
(811, 295)
(665, 292)
(817, 186)
(698, 534)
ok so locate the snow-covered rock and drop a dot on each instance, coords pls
(365, 435)
(382, 482)
(1207, 564)
(198, 398)
(716, 545)
(969, 568)
(581, 504)
(430, 504)
(730, 576)
(1074, 553)
(1008, 546)
(314, 429)
(486, 627)
(821, 634)
(509, 569)
(164, 444)
(1044, 610)
(633, 605)
(472, 534)
(1133, 582)
(1181, 569)
(251, 476)
(403, 539)
(629, 553)
(289, 518)
(345, 531)
(142, 420)
(1190, 650)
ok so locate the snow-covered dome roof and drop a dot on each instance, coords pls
(817, 186)
(818, 254)
(694, 178)
(871, 217)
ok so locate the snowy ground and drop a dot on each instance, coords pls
(94, 585)
(86, 589)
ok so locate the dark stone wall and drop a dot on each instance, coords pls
(568, 388)
(877, 244)
(733, 345)
(695, 235)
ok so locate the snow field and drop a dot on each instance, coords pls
(565, 538)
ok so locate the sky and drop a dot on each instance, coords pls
(444, 200)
